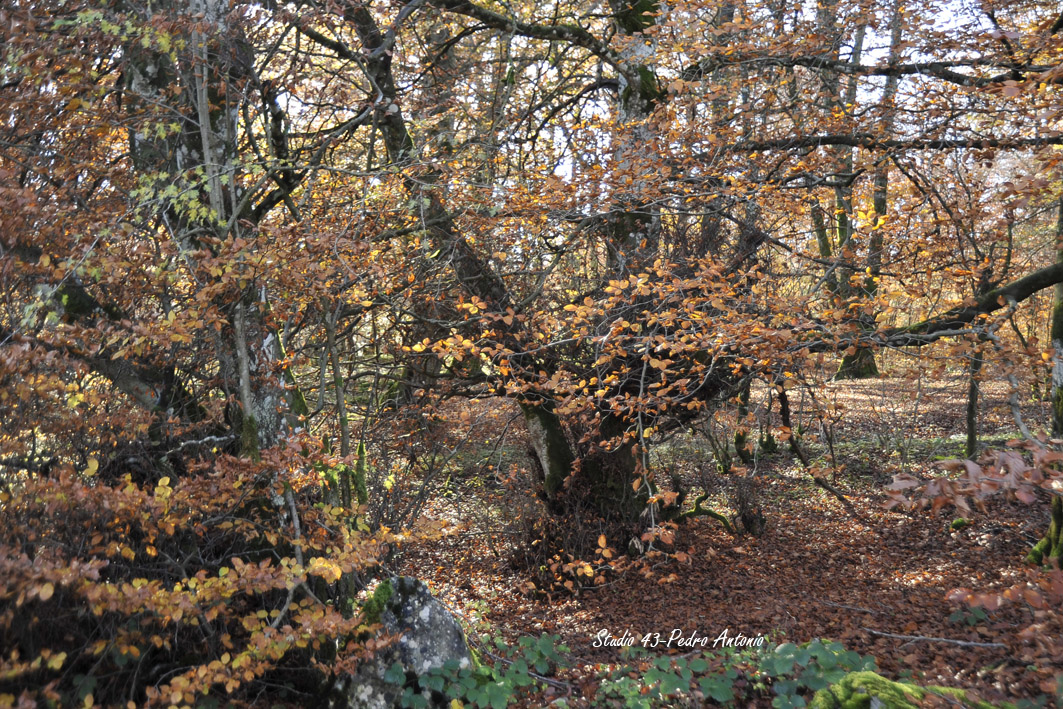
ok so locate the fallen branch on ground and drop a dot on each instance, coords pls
(924, 638)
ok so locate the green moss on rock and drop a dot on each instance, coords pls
(857, 690)
(374, 606)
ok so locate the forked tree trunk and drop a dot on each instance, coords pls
(197, 90)
(602, 481)
(861, 364)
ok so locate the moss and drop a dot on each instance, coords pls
(857, 689)
(361, 469)
(374, 606)
(1037, 554)
(548, 438)
(699, 511)
(249, 437)
(960, 523)
(1051, 545)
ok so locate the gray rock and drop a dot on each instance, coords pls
(430, 637)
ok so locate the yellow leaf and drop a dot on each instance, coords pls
(601, 541)
(92, 467)
(46, 591)
(328, 570)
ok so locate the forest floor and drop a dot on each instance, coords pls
(815, 571)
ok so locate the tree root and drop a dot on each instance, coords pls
(699, 511)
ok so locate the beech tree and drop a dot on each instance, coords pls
(243, 237)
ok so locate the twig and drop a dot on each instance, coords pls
(924, 638)
(299, 558)
(850, 608)
(784, 413)
(201, 442)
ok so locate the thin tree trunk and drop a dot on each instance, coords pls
(861, 364)
(1057, 335)
(972, 404)
(1051, 545)
(341, 408)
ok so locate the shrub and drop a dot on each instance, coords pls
(179, 592)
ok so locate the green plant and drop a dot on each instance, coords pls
(810, 667)
(517, 670)
(968, 616)
(728, 675)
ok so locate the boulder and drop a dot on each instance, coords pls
(430, 637)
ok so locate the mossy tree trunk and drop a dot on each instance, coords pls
(1051, 545)
(861, 364)
(858, 365)
(741, 437)
(604, 480)
(1057, 355)
(550, 446)
(204, 150)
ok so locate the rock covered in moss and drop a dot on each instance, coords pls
(868, 690)
(429, 638)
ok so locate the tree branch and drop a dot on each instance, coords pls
(871, 142)
(572, 34)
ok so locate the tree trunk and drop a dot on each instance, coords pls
(1051, 545)
(602, 481)
(1056, 335)
(549, 446)
(205, 149)
(858, 365)
(972, 405)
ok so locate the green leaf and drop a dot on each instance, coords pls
(499, 696)
(673, 684)
(834, 676)
(785, 687)
(717, 687)
(395, 674)
(813, 679)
